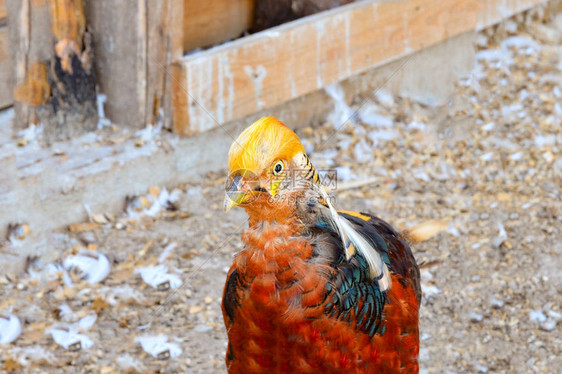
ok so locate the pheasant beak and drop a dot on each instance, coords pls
(236, 194)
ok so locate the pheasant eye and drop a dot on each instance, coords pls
(278, 168)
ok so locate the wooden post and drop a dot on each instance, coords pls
(5, 76)
(52, 59)
(6, 81)
(135, 42)
(164, 45)
(30, 42)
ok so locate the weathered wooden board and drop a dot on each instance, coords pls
(31, 41)
(6, 89)
(210, 22)
(55, 89)
(120, 57)
(134, 42)
(3, 12)
(164, 44)
(283, 63)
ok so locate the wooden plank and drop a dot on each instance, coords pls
(71, 107)
(6, 82)
(4, 47)
(164, 44)
(179, 99)
(135, 41)
(210, 22)
(3, 12)
(283, 63)
(52, 62)
(31, 42)
(175, 51)
(115, 29)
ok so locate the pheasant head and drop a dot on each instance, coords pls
(268, 171)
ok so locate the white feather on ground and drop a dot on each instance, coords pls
(94, 266)
(159, 347)
(157, 276)
(10, 328)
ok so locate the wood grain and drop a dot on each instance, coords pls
(6, 96)
(115, 28)
(3, 12)
(289, 61)
(165, 39)
(30, 42)
(4, 48)
(210, 22)
(135, 40)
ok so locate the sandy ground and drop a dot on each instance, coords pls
(490, 163)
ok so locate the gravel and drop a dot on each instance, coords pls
(489, 163)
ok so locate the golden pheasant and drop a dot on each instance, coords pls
(314, 290)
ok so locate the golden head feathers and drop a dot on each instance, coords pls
(264, 142)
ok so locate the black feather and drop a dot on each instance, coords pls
(230, 298)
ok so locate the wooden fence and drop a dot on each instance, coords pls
(140, 45)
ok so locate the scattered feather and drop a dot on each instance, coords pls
(34, 353)
(17, 233)
(516, 156)
(342, 112)
(69, 338)
(362, 151)
(167, 251)
(151, 205)
(121, 294)
(429, 291)
(102, 120)
(158, 277)
(370, 115)
(522, 43)
(66, 313)
(94, 266)
(87, 322)
(147, 135)
(10, 328)
(129, 363)
(487, 156)
(384, 97)
(502, 236)
(30, 134)
(159, 347)
(488, 127)
(537, 316)
(344, 174)
(451, 229)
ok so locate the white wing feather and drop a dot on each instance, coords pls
(349, 236)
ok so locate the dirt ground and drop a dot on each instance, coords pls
(489, 163)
